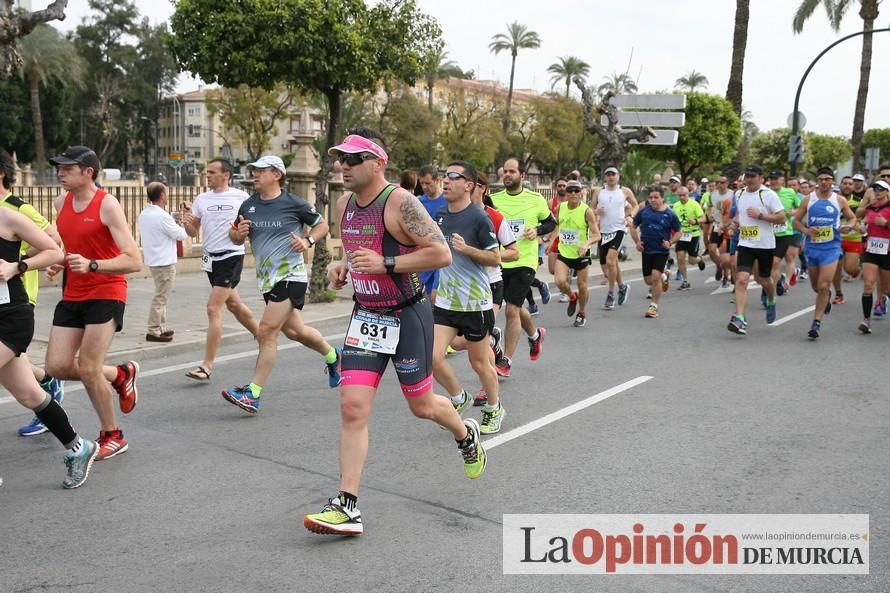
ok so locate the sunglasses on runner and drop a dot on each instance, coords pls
(573, 190)
(454, 176)
(354, 160)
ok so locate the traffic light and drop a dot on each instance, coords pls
(795, 149)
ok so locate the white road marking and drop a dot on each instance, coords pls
(800, 313)
(562, 413)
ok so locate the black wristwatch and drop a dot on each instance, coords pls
(389, 262)
(310, 240)
(23, 267)
(94, 266)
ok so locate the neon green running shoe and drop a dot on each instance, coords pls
(461, 407)
(492, 418)
(335, 519)
(473, 453)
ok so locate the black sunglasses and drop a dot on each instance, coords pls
(354, 160)
(454, 176)
(573, 190)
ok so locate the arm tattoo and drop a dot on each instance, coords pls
(418, 222)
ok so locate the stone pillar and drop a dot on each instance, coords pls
(304, 167)
(27, 176)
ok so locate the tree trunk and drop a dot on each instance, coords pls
(318, 280)
(868, 12)
(429, 100)
(568, 84)
(739, 43)
(510, 95)
(37, 120)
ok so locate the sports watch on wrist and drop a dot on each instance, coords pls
(310, 240)
(23, 267)
(94, 266)
(389, 262)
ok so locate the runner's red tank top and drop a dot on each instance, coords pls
(85, 234)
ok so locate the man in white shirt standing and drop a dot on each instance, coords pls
(159, 234)
(213, 214)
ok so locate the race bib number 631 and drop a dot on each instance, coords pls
(376, 332)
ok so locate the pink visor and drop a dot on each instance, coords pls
(354, 144)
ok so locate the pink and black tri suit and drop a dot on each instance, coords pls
(396, 295)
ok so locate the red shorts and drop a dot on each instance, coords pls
(852, 246)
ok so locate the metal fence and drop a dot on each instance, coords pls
(132, 199)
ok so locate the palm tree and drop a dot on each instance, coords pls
(618, 84)
(438, 66)
(47, 56)
(837, 9)
(739, 44)
(567, 69)
(517, 37)
(691, 81)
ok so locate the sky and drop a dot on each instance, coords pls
(656, 42)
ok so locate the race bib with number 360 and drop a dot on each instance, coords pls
(376, 332)
(877, 245)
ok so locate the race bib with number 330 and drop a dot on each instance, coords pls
(376, 332)
(749, 233)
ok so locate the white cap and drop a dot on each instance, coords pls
(675, 178)
(882, 184)
(858, 177)
(611, 170)
(705, 180)
(270, 160)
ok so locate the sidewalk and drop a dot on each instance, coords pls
(187, 317)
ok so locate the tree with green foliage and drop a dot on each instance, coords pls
(410, 129)
(617, 84)
(552, 136)
(129, 68)
(251, 115)
(47, 58)
(317, 46)
(770, 149)
(825, 150)
(836, 10)
(517, 37)
(878, 138)
(711, 135)
(471, 130)
(566, 70)
(691, 81)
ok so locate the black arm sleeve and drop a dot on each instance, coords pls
(546, 226)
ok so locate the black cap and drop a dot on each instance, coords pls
(78, 155)
(753, 170)
(776, 174)
(825, 171)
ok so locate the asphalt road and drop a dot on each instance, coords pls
(209, 499)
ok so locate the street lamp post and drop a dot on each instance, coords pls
(795, 128)
(155, 125)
